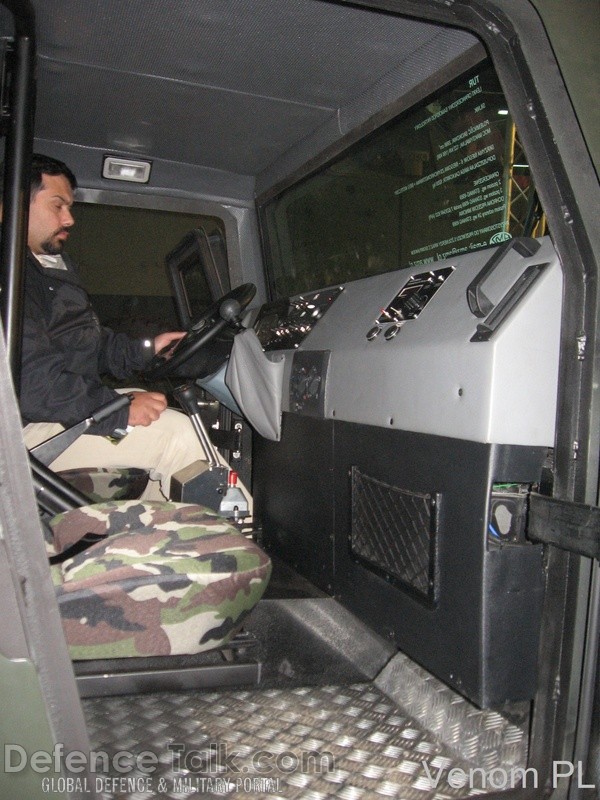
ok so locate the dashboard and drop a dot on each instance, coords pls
(468, 348)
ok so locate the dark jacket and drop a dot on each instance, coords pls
(66, 350)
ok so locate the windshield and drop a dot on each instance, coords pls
(446, 177)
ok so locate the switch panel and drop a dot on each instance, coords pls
(307, 382)
(410, 301)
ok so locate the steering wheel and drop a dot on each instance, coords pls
(201, 331)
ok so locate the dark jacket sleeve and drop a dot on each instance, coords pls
(121, 355)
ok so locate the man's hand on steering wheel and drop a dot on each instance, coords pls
(202, 330)
(164, 342)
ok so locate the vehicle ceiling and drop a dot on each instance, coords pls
(235, 91)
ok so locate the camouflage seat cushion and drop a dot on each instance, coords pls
(102, 483)
(170, 579)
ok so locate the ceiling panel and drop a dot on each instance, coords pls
(190, 124)
(304, 51)
(226, 84)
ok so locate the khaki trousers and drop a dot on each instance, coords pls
(162, 448)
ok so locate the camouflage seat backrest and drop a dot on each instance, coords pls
(102, 483)
(169, 579)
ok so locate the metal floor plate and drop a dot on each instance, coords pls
(351, 742)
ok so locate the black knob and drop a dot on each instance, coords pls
(230, 312)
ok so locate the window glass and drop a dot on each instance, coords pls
(121, 255)
(446, 177)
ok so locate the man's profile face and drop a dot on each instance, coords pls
(50, 216)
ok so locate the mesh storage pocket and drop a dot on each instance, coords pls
(395, 532)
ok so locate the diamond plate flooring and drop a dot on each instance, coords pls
(351, 742)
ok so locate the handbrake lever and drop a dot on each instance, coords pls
(46, 452)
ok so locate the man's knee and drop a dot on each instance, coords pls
(176, 421)
(37, 432)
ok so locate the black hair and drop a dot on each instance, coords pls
(45, 165)
(42, 165)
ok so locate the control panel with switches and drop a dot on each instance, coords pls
(409, 302)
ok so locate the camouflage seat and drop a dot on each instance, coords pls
(169, 579)
(102, 483)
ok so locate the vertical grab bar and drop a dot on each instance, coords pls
(19, 146)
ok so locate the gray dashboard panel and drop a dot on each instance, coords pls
(431, 378)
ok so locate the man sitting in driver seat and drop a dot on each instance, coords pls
(66, 350)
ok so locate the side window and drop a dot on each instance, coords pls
(197, 269)
(121, 254)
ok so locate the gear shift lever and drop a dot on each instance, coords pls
(207, 483)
